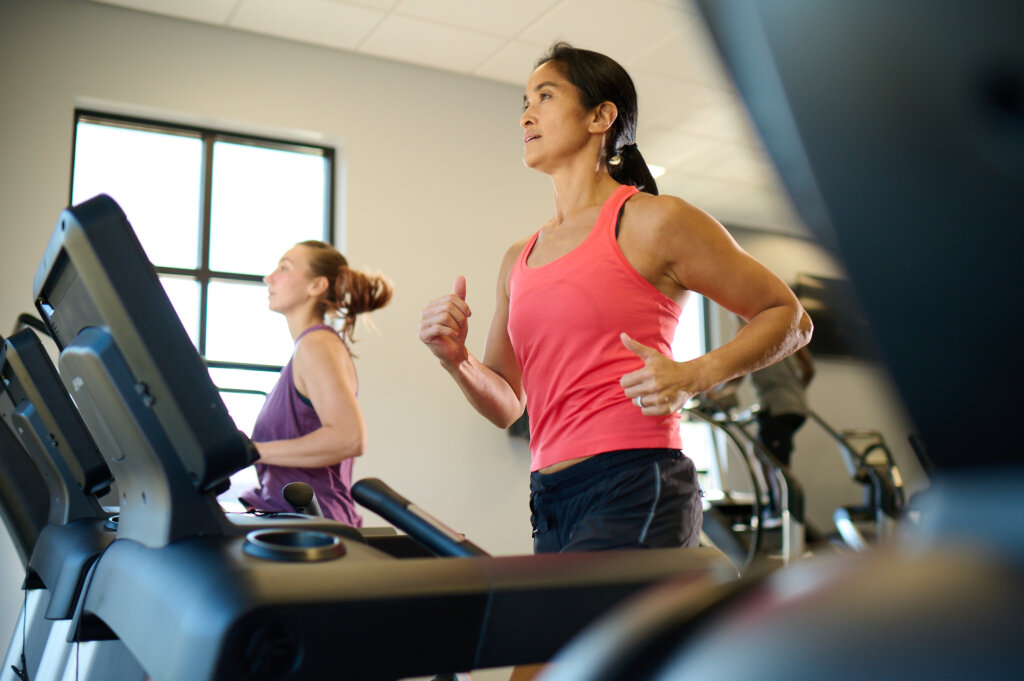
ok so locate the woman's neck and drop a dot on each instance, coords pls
(299, 321)
(576, 191)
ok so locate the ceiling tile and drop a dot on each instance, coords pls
(620, 30)
(741, 165)
(732, 204)
(513, 63)
(423, 42)
(702, 191)
(672, 148)
(383, 5)
(499, 18)
(758, 208)
(320, 22)
(704, 157)
(670, 102)
(725, 118)
(688, 55)
(207, 11)
(688, 6)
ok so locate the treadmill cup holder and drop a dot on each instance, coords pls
(291, 545)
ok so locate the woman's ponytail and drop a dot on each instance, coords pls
(359, 292)
(349, 292)
(627, 166)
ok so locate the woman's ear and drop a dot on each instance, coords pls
(318, 286)
(603, 117)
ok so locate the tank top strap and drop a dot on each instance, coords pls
(525, 253)
(604, 227)
(315, 327)
(609, 218)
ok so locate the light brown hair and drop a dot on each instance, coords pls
(349, 292)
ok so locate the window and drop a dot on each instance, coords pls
(214, 211)
(691, 340)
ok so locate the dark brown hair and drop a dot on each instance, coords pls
(349, 292)
(601, 79)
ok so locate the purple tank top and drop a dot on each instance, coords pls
(287, 415)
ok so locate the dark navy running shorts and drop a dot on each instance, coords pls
(626, 499)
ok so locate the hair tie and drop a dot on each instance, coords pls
(616, 158)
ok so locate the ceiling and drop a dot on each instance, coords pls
(692, 122)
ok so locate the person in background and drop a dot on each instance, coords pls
(781, 390)
(311, 428)
(782, 394)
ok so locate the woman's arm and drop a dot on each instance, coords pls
(323, 372)
(695, 253)
(493, 386)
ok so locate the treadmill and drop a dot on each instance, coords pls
(51, 481)
(195, 595)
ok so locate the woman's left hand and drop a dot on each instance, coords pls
(661, 386)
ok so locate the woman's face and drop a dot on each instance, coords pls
(555, 124)
(291, 283)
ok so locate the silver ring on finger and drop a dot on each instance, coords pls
(639, 401)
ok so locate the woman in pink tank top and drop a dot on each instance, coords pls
(311, 428)
(586, 311)
(585, 314)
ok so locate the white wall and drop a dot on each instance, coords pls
(435, 188)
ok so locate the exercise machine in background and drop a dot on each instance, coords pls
(736, 519)
(870, 464)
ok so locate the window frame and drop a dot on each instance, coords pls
(208, 136)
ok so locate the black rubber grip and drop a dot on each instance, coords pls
(400, 512)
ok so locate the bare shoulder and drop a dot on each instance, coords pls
(322, 360)
(676, 245)
(320, 344)
(666, 215)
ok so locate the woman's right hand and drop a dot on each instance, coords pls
(444, 324)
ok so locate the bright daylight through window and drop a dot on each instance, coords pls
(213, 211)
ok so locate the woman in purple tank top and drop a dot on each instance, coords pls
(311, 428)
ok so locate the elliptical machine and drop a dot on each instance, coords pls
(869, 463)
(737, 522)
